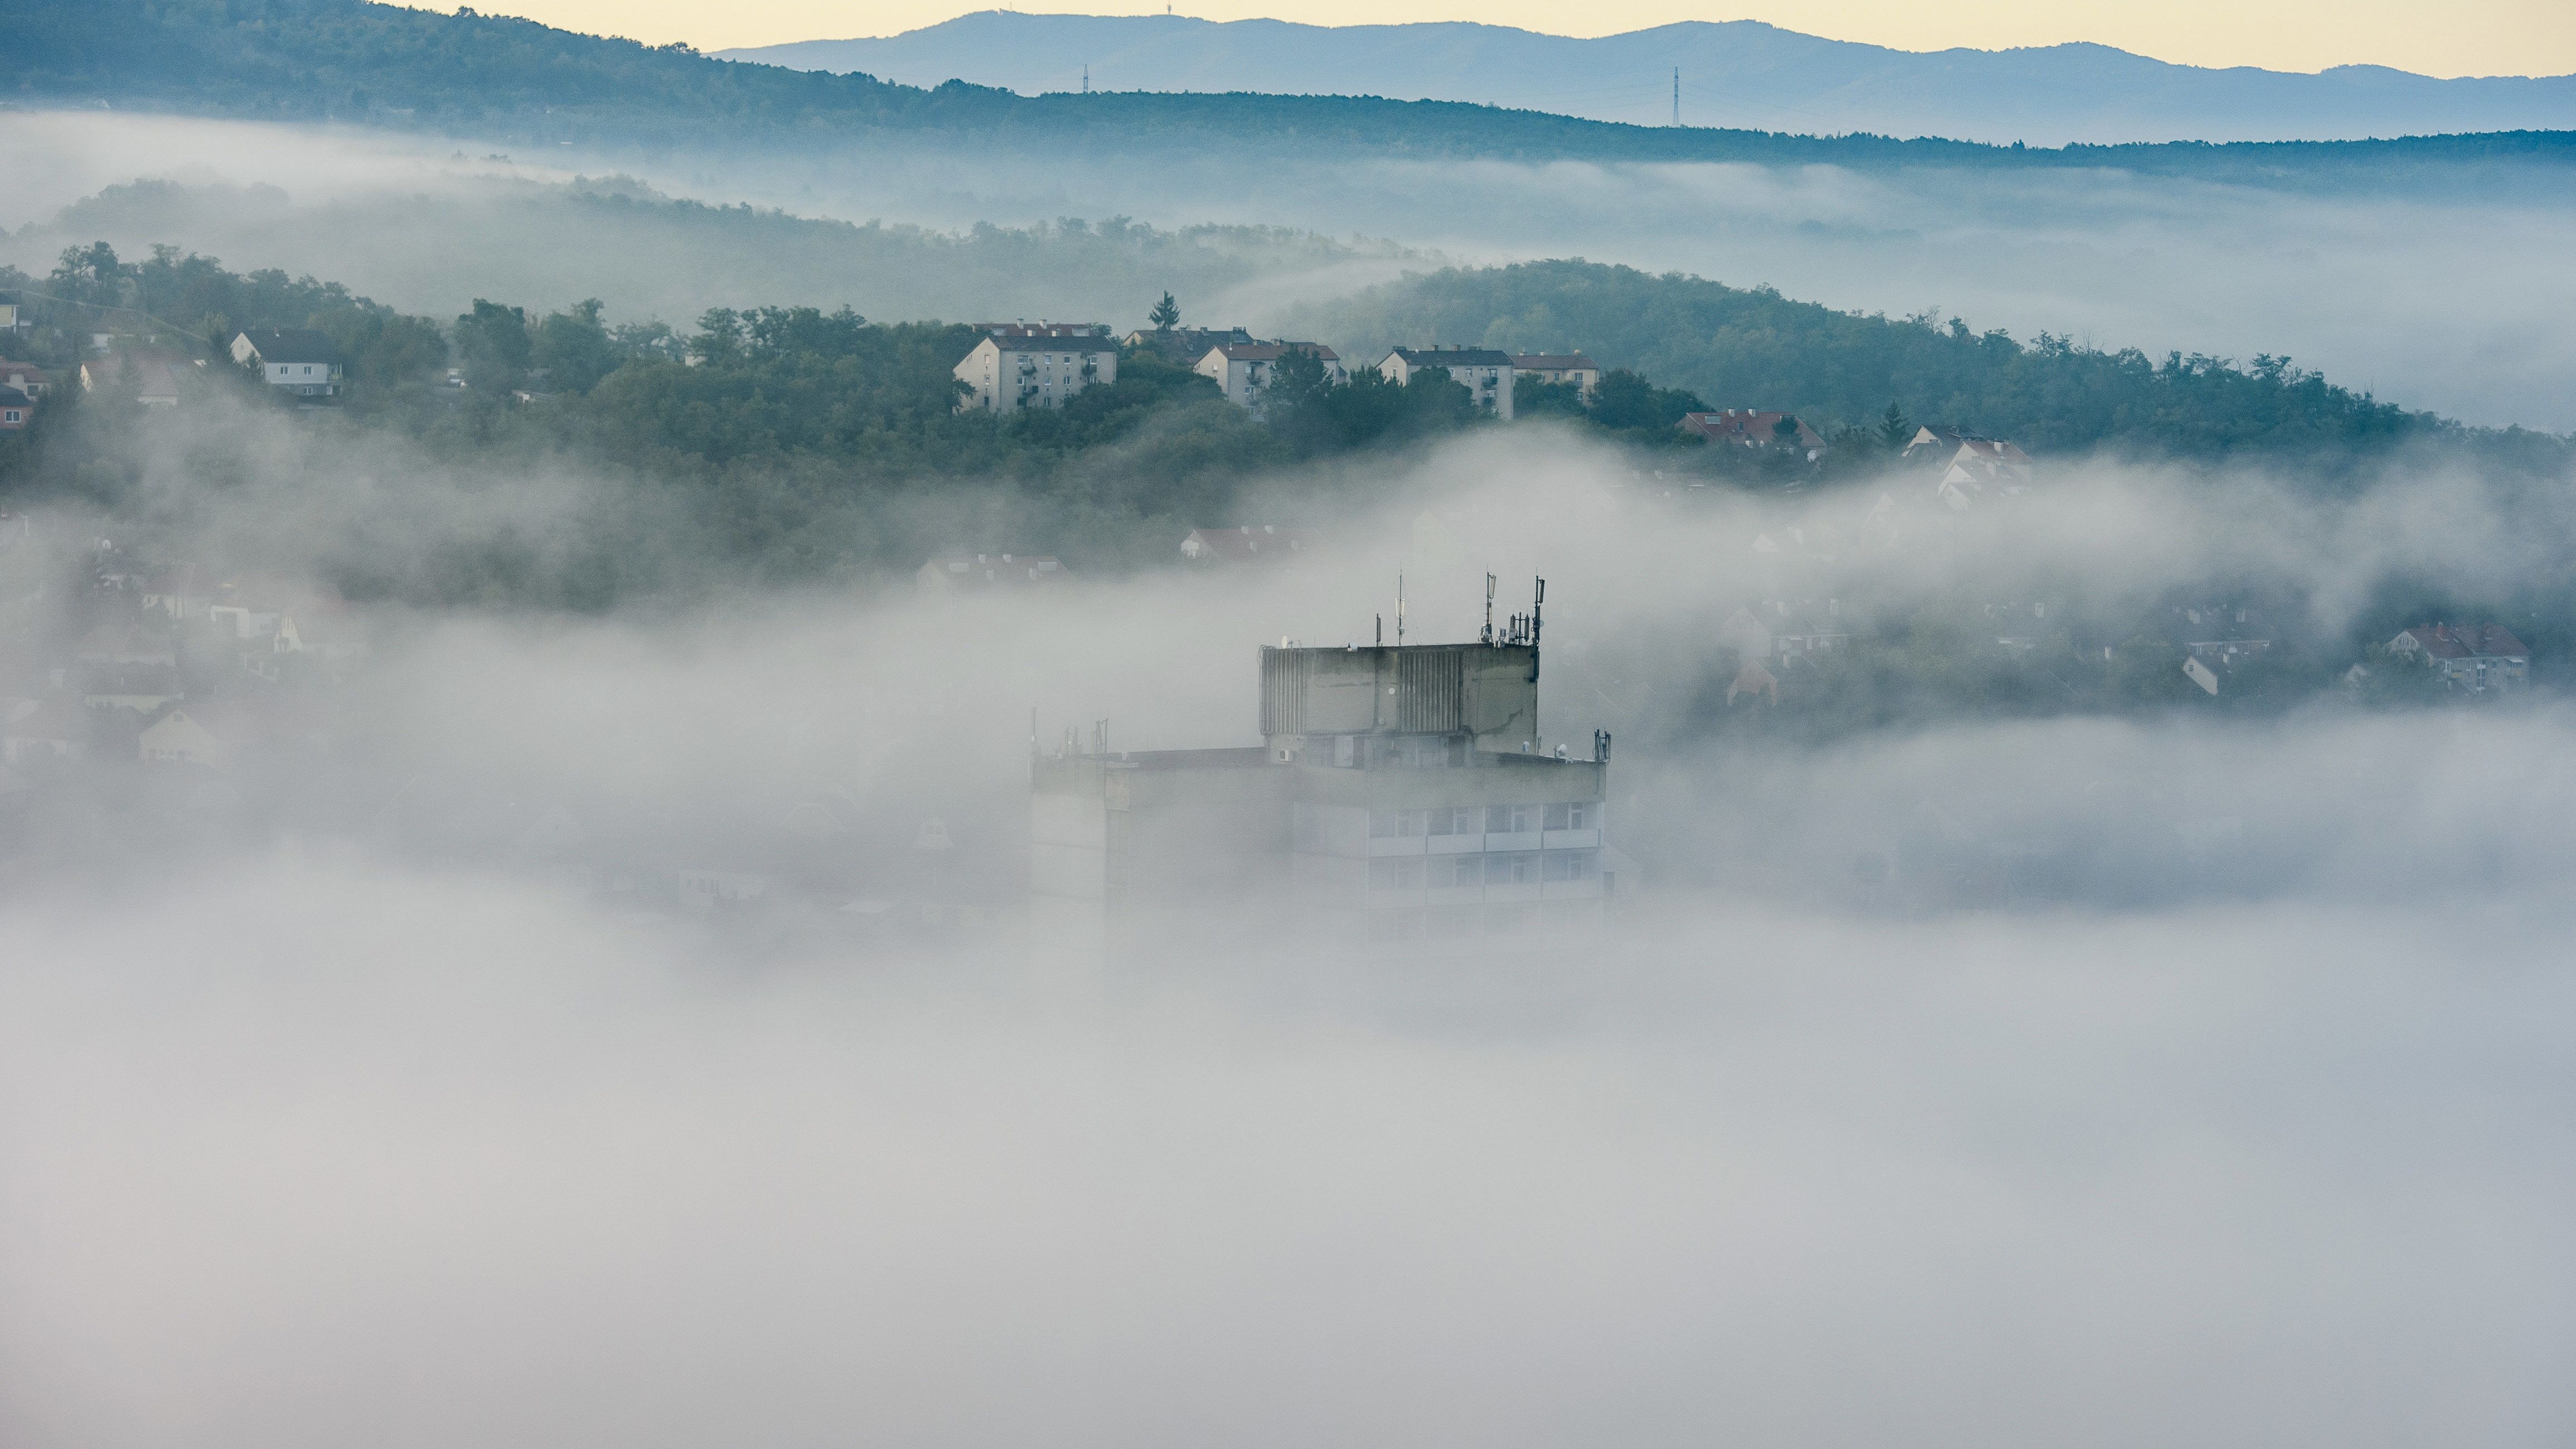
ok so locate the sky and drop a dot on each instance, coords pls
(2473, 37)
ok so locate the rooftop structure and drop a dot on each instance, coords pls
(1402, 796)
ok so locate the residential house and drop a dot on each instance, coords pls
(1041, 328)
(294, 360)
(1753, 428)
(1486, 373)
(1186, 345)
(2220, 635)
(13, 313)
(973, 573)
(128, 641)
(179, 734)
(43, 729)
(319, 627)
(22, 386)
(1245, 371)
(2477, 658)
(1005, 374)
(1568, 369)
(1246, 544)
(142, 688)
(159, 379)
(26, 377)
(182, 591)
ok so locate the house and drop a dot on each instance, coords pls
(1244, 371)
(17, 409)
(1746, 634)
(132, 641)
(2477, 658)
(251, 606)
(47, 729)
(1005, 374)
(182, 591)
(320, 627)
(969, 573)
(2220, 635)
(176, 734)
(139, 687)
(1246, 544)
(294, 360)
(26, 377)
(1566, 369)
(1040, 328)
(1983, 469)
(1752, 428)
(1939, 443)
(12, 312)
(1186, 345)
(1486, 373)
(159, 379)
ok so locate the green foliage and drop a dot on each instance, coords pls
(1758, 348)
(1166, 314)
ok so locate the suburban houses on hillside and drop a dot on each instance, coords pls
(1045, 365)
(298, 362)
(1567, 369)
(1246, 370)
(2476, 658)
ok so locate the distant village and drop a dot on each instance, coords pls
(183, 692)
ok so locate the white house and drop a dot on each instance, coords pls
(1246, 370)
(1572, 369)
(970, 573)
(43, 730)
(2472, 657)
(1246, 544)
(1486, 372)
(1007, 373)
(291, 359)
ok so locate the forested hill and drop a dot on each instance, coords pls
(508, 79)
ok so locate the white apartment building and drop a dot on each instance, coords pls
(1007, 373)
(1486, 372)
(293, 360)
(1571, 368)
(1246, 370)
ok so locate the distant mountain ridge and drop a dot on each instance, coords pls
(1739, 73)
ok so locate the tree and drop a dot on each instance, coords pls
(1166, 314)
(494, 342)
(1894, 429)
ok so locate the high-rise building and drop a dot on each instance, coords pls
(1400, 794)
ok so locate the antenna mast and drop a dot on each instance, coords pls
(1399, 611)
(1677, 94)
(1489, 609)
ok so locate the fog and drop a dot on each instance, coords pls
(2429, 289)
(1949, 1074)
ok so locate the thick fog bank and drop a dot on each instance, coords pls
(2340, 278)
(323, 1154)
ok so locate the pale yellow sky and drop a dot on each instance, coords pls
(2467, 37)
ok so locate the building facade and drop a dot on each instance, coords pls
(1245, 371)
(1567, 369)
(297, 362)
(1486, 373)
(1007, 373)
(1401, 798)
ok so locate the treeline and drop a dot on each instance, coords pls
(1843, 372)
(345, 60)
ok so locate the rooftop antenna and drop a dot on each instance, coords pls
(1399, 611)
(1489, 609)
(1537, 605)
(1381, 631)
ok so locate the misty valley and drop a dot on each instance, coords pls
(694, 752)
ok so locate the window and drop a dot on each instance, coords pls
(1402, 873)
(1571, 815)
(1572, 865)
(1519, 867)
(1467, 820)
(1391, 824)
(1457, 870)
(1510, 819)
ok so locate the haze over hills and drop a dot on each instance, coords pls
(1739, 73)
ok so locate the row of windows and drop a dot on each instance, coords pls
(1486, 819)
(1438, 923)
(1518, 867)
